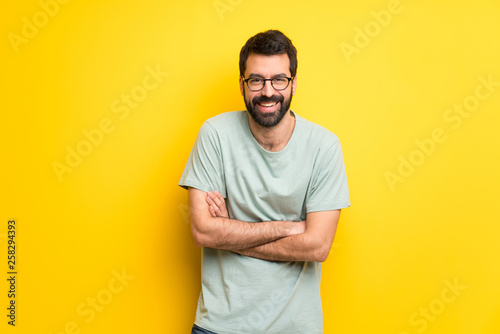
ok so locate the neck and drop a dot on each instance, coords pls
(273, 139)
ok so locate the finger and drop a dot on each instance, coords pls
(216, 211)
(212, 212)
(210, 201)
(222, 204)
(215, 200)
(219, 196)
(214, 205)
(218, 199)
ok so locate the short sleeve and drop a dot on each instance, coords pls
(204, 169)
(328, 188)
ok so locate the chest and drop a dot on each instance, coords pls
(262, 186)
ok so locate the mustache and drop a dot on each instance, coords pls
(264, 99)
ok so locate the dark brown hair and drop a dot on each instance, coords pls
(269, 43)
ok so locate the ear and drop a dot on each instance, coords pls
(242, 90)
(294, 85)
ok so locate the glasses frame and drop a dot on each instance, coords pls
(264, 85)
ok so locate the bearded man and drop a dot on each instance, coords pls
(265, 192)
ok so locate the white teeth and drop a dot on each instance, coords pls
(268, 104)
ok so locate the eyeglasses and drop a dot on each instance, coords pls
(256, 84)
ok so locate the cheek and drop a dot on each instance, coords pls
(249, 97)
(245, 94)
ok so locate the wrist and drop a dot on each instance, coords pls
(295, 228)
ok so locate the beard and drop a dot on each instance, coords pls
(269, 119)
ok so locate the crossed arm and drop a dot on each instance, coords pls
(308, 240)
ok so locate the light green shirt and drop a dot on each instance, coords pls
(242, 294)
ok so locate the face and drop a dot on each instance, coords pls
(267, 106)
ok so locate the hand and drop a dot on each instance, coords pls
(216, 204)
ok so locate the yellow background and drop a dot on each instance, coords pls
(120, 208)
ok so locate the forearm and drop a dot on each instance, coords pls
(211, 226)
(312, 245)
(232, 234)
(308, 240)
(300, 247)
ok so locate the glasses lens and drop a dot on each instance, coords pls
(280, 83)
(255, 83)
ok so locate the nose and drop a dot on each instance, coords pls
(268, 89)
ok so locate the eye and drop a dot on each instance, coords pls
(255, 81)
(280, 80)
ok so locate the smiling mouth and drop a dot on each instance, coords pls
(269, 104)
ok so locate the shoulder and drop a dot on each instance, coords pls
(316, 134)
(221, 124)
(225, 120)
(223, 128)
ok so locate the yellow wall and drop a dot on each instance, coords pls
(408, 95)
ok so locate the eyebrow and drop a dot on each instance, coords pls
(255, 75)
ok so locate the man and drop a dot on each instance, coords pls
(265, 192)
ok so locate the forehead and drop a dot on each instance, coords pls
(267, 66)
